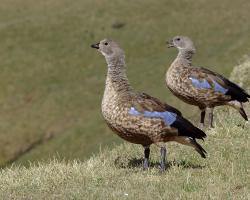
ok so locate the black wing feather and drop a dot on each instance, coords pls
(186, 128)
(236, 92)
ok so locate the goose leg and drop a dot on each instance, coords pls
(203, 114)
(163, 159)
(211, 118)
(146, 157)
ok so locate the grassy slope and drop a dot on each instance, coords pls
(117, 173)
(52, 82)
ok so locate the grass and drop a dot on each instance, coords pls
(117, 173)
(51, 82)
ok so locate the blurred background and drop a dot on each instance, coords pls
(51, 81)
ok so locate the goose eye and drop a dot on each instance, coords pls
(106, 43)
(178, 39)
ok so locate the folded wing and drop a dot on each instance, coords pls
(205, 79)
(150, 107)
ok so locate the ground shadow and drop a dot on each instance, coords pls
(186, 164)
(138, 163)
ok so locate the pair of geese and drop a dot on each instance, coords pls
(142, 119)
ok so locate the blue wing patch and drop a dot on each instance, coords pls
(200, 84)
(219, 88)
(168, 117)
(204, 84)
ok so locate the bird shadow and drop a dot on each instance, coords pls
(138, 163)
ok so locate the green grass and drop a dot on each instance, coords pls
(51, 81)
(118, 174)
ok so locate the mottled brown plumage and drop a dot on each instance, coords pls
(199, 86)
(138, 117)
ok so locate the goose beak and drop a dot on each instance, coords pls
(96, 46)
(170, 43)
